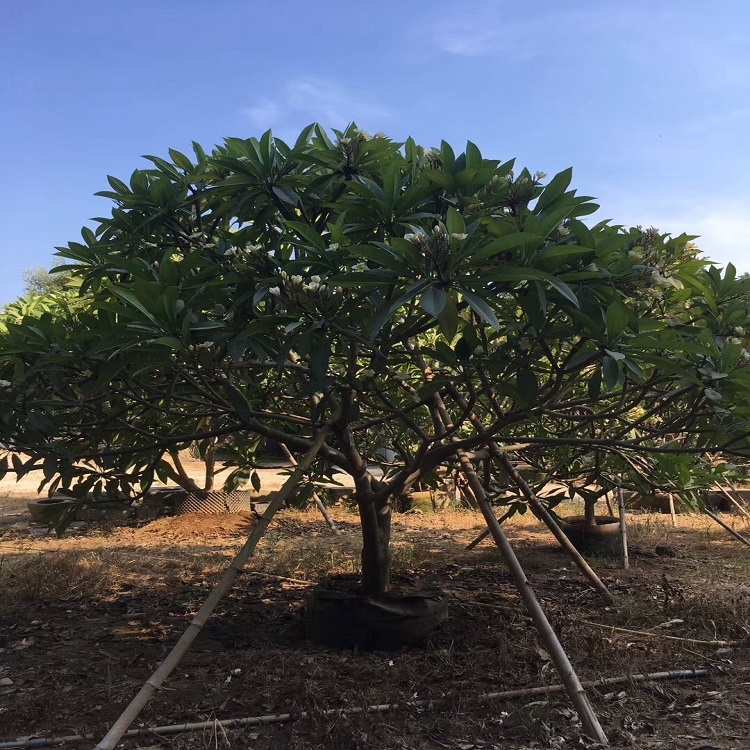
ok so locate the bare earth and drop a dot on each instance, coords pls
(84, 621)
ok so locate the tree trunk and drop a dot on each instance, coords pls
(589, 509)
(375, 519)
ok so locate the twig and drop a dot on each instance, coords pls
(652, 634)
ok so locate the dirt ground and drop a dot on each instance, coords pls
(85, 620)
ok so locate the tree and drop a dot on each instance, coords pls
(433, 306)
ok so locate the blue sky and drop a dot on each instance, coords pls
(648, 100)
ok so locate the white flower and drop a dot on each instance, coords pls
(315, 279)
(311, 287)
(4, 383)
(229, 252)
(563, 230)
(359, 267)
(334, 246)
(659, 280)
(284, 275)
(415, 237)
(296, 280)
(746, 355)
(739, 330)
(733, 340)
(459, 237)
(539, 175)
(276, 291)
(204, 345)
(591, 267)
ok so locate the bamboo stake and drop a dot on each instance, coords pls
(735, 534)
(623, 528)
(548, 636)
(156, 680)
(486, 532)
(575, 691)
(318, 502)
(539, 509)
(675, 674)
(738, 497)
(732, 500)
(672, 513)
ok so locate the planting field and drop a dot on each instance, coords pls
(85, 620)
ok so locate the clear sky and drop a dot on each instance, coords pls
(648, 100)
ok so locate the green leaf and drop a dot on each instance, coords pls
(481, 308)
(433, 301)
(611, 372)
(239, 402)
(528, 387)
(454, 222)
(500, 245)
(448, 318)
(617, 320)
(181, 160)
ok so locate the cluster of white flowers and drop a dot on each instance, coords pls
(295, 283)
(739, 331)
(731, 340)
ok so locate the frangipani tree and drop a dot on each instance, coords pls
(411, 302)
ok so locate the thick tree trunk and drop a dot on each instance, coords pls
(375, 519)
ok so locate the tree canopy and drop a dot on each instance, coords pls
(417, 301)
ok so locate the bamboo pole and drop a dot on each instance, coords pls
(575, 691)
(425, 704)
(156, 680)
(735, 534)
(541, 512)
(732, 500)
(570, 680)
(318, 502)
(738, 497)
(486, 532)
(623, 528)
(538, 508)
(672, 513)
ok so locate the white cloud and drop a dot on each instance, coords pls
(303, 101)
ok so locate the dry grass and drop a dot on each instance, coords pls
(121, 600)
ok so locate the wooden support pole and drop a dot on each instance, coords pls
(623, 528)
(727, 527)
(316, 498)
(129, 715)
(672, 513)
(486, 532)
(573, 687)
(538, 507)
(732, 500)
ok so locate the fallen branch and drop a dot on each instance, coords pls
(426, 704)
